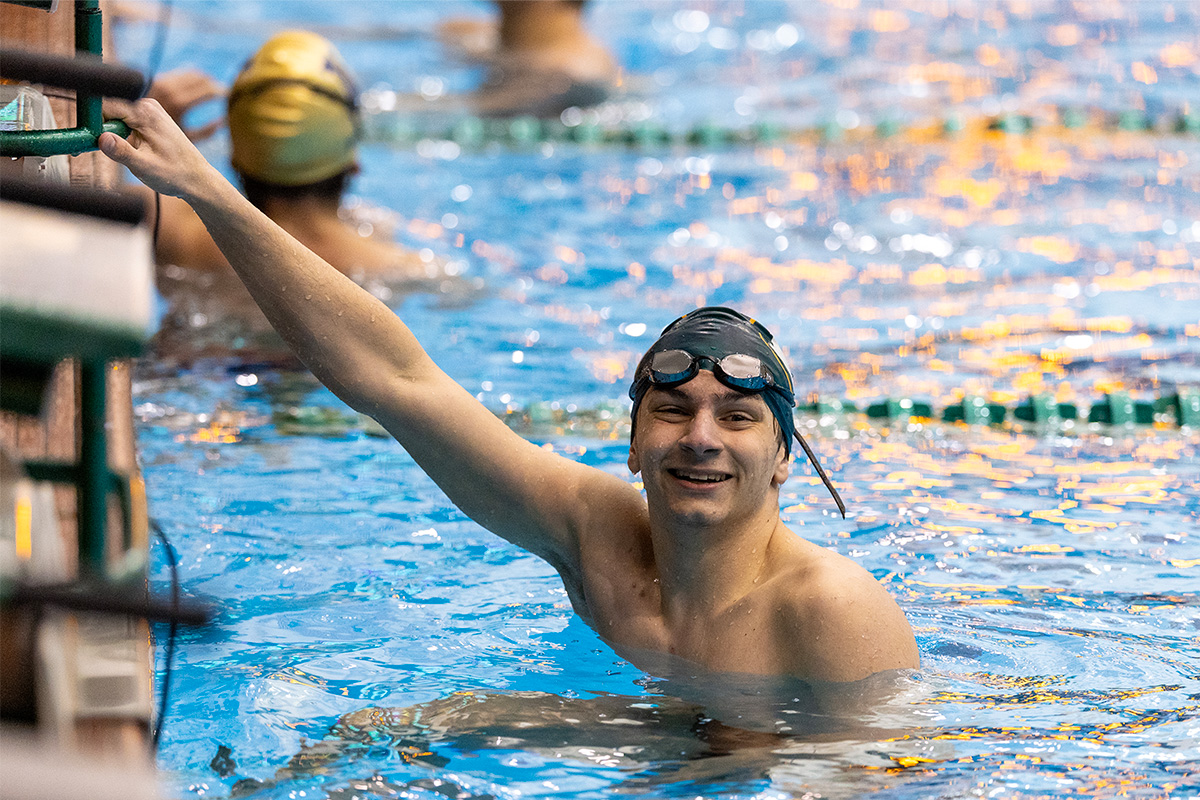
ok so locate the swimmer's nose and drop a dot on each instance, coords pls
(702, 435)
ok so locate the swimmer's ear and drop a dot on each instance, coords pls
(635, 463)
(783, 467)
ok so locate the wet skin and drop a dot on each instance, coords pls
(709, 455)
(702, 567)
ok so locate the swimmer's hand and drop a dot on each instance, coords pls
(181, 90)
(157, 152)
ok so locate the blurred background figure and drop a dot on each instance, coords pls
(541, 58)
(294, 128)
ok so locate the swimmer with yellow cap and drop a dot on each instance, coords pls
(294, 127)
(293, 112)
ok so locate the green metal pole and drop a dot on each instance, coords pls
(89, 39)
(60, 141)
(88, 27)
(93, 483)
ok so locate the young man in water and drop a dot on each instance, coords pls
(701, 569)
(540, 56)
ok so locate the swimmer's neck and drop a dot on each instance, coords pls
(704, 570)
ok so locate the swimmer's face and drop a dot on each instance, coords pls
(708, 454)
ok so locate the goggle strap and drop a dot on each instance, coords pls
(837, 498)
(349, 100)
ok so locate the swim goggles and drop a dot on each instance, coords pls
(747, 373)
(348, 98)
(739, 371)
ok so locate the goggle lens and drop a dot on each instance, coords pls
(743, 368)
(741, 371)
(672, 366)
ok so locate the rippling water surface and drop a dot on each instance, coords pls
(1050, 570)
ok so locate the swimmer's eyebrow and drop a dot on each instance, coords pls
(725, 396)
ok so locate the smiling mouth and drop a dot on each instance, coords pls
(698, 477)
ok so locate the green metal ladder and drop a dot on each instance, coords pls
(88, 71)
(32, 344)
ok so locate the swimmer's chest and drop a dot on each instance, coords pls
(628, 612)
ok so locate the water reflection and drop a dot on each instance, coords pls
(660, 744)
(1019, 231)
(748, 729)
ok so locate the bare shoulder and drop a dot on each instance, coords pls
(839, 623)
(606, 554)
(617, 515)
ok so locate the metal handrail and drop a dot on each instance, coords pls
(87, 74)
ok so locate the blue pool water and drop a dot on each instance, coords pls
(1050, 573)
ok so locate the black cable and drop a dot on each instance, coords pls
(157, 224)
(154, 61)
(837, 498)
(169, 656)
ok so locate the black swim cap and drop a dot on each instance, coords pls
(715, 332)
(710, 335)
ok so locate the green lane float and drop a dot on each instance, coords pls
(975, 411)
(1043, 409)
(1180, 408)
(902, 408)
(1118, 408)
(523, 132)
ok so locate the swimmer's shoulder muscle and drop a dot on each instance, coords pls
(835, 622)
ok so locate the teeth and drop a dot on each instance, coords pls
(701, 478)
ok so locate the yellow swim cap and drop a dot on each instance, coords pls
(293, 112)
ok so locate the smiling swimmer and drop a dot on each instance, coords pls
(695, 570)
(740, 352)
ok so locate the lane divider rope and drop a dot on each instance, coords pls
(1179, 408)
(473, 132)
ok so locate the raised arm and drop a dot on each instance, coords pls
(362, 351)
